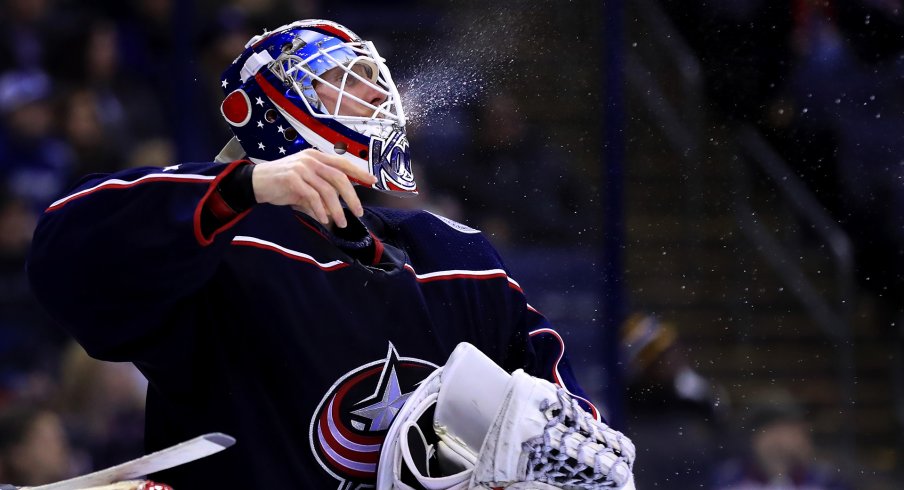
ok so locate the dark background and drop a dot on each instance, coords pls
(612, 150)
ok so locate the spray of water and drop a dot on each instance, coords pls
(474, 54)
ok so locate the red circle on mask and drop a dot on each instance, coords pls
(236, 108)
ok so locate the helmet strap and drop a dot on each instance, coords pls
(253, 64)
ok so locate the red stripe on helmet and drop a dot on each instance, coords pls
(310, 121)
(332, 30)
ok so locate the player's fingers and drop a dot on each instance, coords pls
(308, 199)
(318, 208)
(330, 198)
(344, 187)
(348, 168)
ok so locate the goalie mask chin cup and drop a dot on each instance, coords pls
(280, 99)
(509, 431)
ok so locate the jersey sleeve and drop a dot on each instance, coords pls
(113, 259)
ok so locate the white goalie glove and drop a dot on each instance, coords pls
(471, 425)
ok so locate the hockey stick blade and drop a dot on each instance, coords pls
(184, 452)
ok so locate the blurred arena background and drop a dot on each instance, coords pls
(706, 198)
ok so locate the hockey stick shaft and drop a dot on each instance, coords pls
(170, 457)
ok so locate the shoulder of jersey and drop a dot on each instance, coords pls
(455, 225)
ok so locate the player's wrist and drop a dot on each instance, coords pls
(237, 188)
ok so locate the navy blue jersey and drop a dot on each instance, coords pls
(301, 343)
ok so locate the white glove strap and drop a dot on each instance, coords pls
(450, 482)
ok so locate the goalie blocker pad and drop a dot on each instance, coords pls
(472, 425)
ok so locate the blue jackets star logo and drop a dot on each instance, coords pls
(350, 423)
(384, 411)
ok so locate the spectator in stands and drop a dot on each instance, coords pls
(126, 107)
(780, 452)
(34, 169)
(102, 406)
(25, 28)
(96, 147)
(678, 413)
(29, 342)
(33, 446)
(35, 164)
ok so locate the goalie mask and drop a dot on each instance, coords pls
(314, 83)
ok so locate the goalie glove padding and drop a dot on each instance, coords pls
(473, 389)
(492, 429)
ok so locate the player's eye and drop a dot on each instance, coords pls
(333, 76)
(351, 81)
(362, 71)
